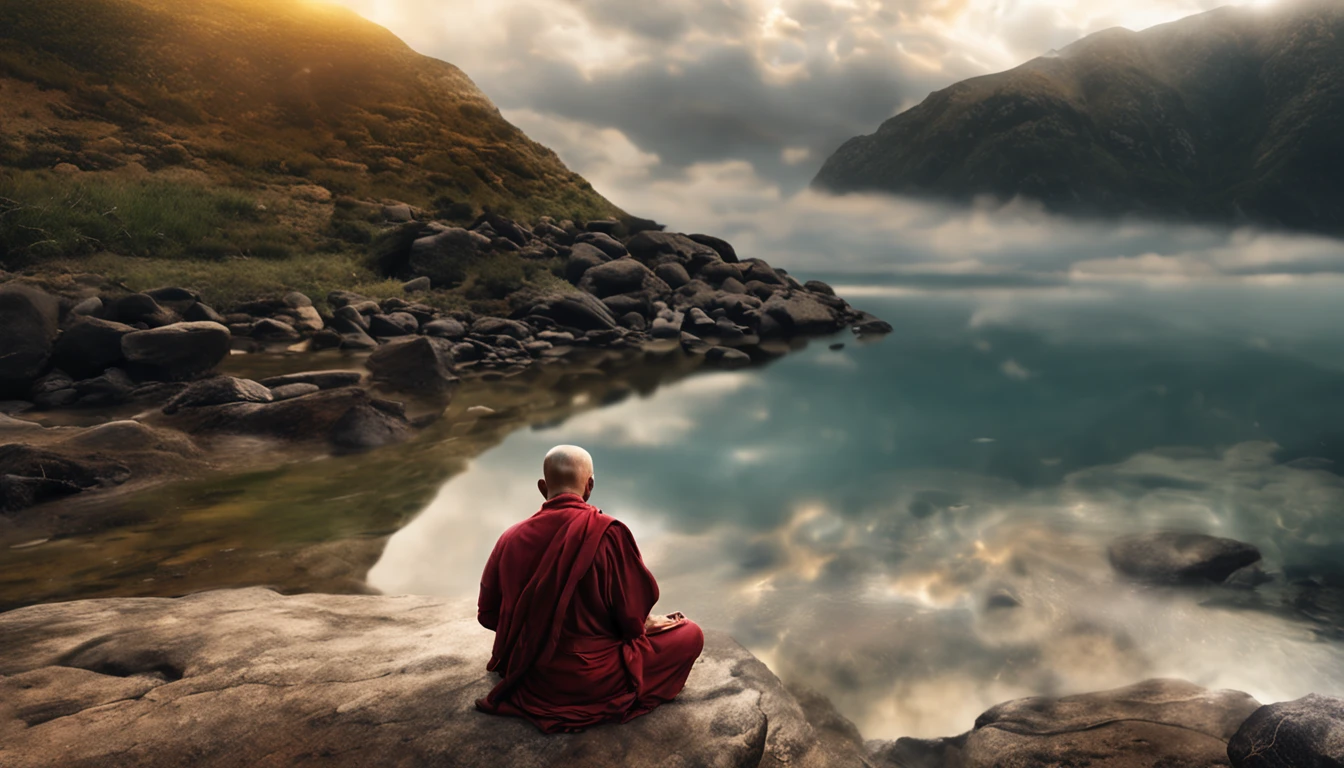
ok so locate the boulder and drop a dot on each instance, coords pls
(270, 329)
(306, 418)
(634, 321)
(340, 680)
(444, 257)
(1168, 723)
(800, 313)
(112, 387)
(498, 326)
(199, 312)
(357, 340)
(721, 247)
(574, 310)
(28, 324)
(673, 274)
(218, 391)
(605, 226)
(1307, 733)
(715, 272)
(368, 426)
(178, 351)
(139, 308)
(653, 248)
(621, 276)
(307, 318)
(291, 391)
(1180, 558)
(89, 347)
(321, 379)
(418, 285)
(817, 286)
(604, 243)
(54, 390)
(582, 258)
(87, 308)
(175, 298)
(867, 325)
(19, 460)
(445, 328)
(394, 324)
(421, 364)
(337, 299)
(398, 214)
(19, 493)
(296, 300)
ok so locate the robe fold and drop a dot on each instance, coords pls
(566, 593)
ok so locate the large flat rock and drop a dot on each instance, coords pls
(251, 678)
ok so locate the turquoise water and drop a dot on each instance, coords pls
(861, 517)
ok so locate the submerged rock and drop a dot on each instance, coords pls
(1168, 723)
(420, 364)
(1307, 733)
(335, 681)
(1180, 558)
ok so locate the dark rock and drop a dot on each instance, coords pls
(291, 391)
(422, 364)
(269, 329)
(256, 666)
(721, 247)
(218, 391)
(553, 233)
(1180, 558)
(54, 381)
(801, 313)
(871, 326)
(398, 214)
(310, 417)
(626, 303)
(604, 226)
(582, 258)
(395, 324)
(296, 300)
(1168, 723)
(445, 328)
(634, 321)
(654, 248)
(21, 460)
(139, 308)
(697, 322)
(324, 339)
(356, 339)
(321, 379)
(622, 276)
(576, 310)
(199, 312)
(365, 427)
(89, 347)
(19, 493)
(112, 387)
(715, 272)
(760, 290)
(177, 351)
(445, 257)
(498, 326)
(755, 269)
(87, 308)
(418, 285)
(604, 243)
(28, 325)
(673, 274)
(348, 320)
(817, 286)
(307, 319)
(1306, 733)
(337, 299)
(174, 295)
(692, 344)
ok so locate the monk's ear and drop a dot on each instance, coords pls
(541, 486)
(588, 491)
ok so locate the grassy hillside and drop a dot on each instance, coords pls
(1234, 114)
(258, 129)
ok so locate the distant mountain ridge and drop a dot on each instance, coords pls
(263, 92)
(1232, 115)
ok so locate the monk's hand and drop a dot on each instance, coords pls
(656, 623)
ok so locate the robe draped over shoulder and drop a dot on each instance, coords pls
(566, 593)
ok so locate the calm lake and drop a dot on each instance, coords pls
(916, 526)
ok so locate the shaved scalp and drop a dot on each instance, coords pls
(567, 469)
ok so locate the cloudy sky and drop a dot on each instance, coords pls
(713, 115)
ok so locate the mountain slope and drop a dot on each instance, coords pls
(1233, 114)
(283, 99)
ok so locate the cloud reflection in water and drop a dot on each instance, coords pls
(921, 533)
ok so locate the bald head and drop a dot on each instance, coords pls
(567, 469)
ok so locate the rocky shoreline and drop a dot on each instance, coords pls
(157, 352)
(247, 677)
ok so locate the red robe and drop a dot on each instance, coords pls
(566, 594)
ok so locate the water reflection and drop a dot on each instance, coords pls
(918, 527)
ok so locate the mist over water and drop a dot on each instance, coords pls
(917, 526)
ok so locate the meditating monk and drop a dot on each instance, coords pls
(568, 598)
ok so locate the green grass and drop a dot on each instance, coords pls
(44, 215)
